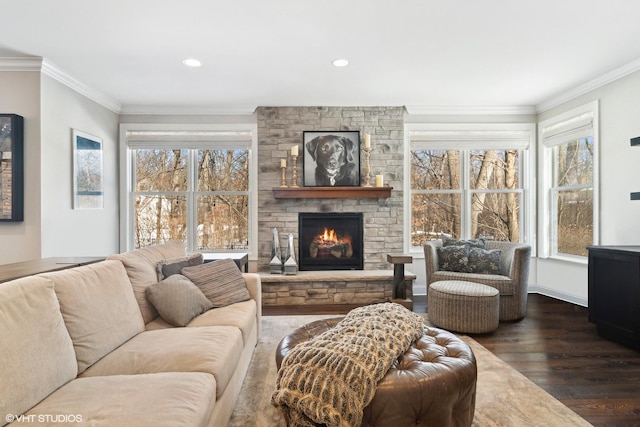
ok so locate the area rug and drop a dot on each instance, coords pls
(504, 397)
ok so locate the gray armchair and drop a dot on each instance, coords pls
(512, 283)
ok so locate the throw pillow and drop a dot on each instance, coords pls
(453, 258)
(221, 281)
(167, 267)
(484, 261)
(474, 243)
(177, 299)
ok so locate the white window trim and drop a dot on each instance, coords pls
(199, 135)
(466, 136)
(575, 123)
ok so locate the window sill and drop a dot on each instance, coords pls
(570, 259)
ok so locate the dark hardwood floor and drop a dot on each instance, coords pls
(557, 348)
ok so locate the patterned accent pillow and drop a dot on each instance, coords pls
(453, 258)
(484, 261)
(177, 299)
(221, 281)
(475, 243)
(167, 267)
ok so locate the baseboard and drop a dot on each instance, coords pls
(562, 296)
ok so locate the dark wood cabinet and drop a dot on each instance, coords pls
(614, 292)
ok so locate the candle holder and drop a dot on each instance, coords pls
(367, 167)
(294, 179)
(284, 176)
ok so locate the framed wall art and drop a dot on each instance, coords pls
(331, 159)
(87, 171)
(11, 168)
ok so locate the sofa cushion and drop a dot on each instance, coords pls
(140, 265)
(221, 281)
(177, 299)
(153, 400)
(167, 267)
(37, 352)
(241, 315)
(484, 261)
(98, 307)
(214, 349)
(158, 323)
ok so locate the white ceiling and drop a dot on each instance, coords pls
(426, 53)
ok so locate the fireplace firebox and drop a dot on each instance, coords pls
(330, 241)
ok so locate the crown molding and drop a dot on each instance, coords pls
(470, 110)
(594, 84)
(56, 73)
(189, 110)
(21, 63)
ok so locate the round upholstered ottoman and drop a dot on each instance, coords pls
(462, 306)
(432, 383)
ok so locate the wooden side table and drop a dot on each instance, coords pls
(240, 258)
(399, 285)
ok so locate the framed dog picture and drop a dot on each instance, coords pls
(331, 159)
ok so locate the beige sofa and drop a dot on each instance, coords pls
(83, 346)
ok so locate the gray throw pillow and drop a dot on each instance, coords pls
(177, 299)
(453, 258)
(167, 267)
(484, 261)
(474, 243)
(221, 281)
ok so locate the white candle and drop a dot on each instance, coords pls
(283, 163)
(379, 180)
(367, 141)
(294, 151)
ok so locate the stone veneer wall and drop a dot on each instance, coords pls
(279, 128)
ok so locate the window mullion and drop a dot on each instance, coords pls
(466, 203)
(192, 201)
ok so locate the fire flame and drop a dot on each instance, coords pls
(329, 235)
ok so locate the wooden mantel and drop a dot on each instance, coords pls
(331, 192)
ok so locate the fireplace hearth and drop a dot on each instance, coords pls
(330, 241)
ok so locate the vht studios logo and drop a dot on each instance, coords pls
(44, 418)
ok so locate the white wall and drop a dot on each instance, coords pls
(20, 241)
(65, 231)
(619, 176)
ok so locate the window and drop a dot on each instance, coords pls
(467, 181)
(191, 185)
(570, 165)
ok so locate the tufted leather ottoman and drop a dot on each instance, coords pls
(433, 383)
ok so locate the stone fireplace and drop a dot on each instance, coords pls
(370, 279)
(279, 128)
(330, 241)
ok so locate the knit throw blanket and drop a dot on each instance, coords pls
(333, 377)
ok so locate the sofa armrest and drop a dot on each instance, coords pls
(254, 286)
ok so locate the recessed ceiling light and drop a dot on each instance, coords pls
(340, 62)
(192, 62)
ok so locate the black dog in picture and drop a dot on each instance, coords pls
(334, 157)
